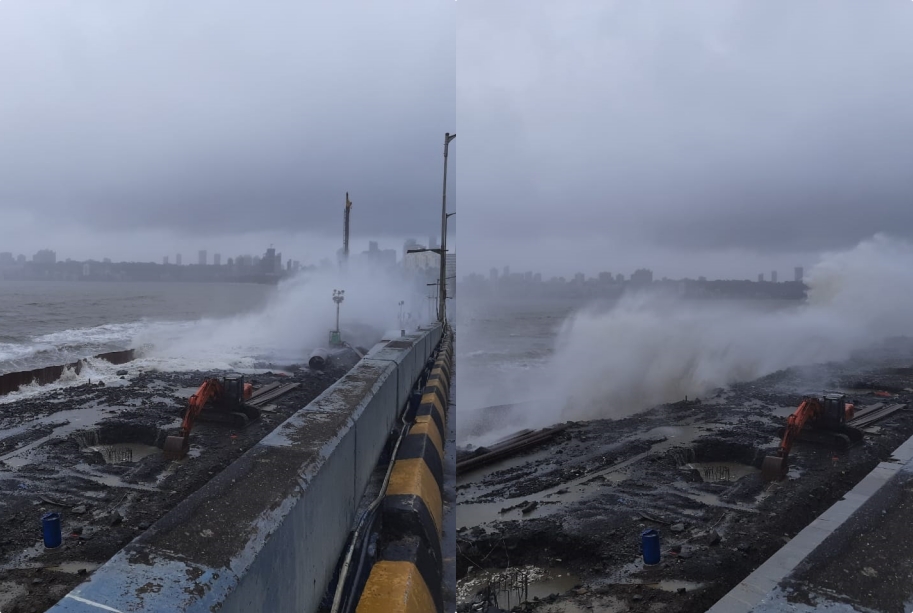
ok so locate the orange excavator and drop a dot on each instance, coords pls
(816, 420)
(215, 401)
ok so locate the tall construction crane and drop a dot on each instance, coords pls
(345, 230)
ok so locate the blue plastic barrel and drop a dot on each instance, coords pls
(50, 528)
(649, 542)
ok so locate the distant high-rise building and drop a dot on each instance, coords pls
(271, 263)
(217, 259)
(202, 258)
(506, 272)
(799, 273)
(620, 278)
(605, 277)
(177, 259)
(20, 259)
(7, 258)
(761, 277)
(773, 276)
(493, 274)
(45, 256)
(409, 244)
(642, 276)
(165, 261)
(106, 261)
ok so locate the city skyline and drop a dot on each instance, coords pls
(496, 274)
(47, 255)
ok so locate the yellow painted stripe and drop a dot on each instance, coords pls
(395, 587)
(438, 384)
(412, 477)
(431, 398)
(429, 429)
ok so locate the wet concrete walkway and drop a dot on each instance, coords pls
(855, 557)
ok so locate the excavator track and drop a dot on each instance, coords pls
(235, 419)
(839, 439)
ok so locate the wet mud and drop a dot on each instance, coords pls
(93, 454)
(576, 506)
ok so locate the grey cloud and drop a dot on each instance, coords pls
(697, 126)
(220, 117)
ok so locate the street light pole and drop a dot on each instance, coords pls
(442, 289)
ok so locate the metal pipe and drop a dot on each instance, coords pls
(442, 296)
(319, 358)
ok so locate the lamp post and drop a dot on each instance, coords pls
(338, 297)
(442, 301)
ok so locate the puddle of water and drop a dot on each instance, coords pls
(186, 392)
(73, 567)
(480, 513)
(22, 559)
(85, 471)
(605, 604)
(710, 499)
(9, 592)
(669, 585)
(714, 472)
(119, 453)
(505, 464)
(79, 419)
(517, 585)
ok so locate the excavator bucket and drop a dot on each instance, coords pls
(176, 447)
(774, 468)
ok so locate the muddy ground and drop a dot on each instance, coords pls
(93, 454)
(566, 517)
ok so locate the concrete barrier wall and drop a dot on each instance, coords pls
(12, 381)
(407, 577)
(266, 533)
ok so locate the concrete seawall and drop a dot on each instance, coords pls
(12, 381)
(407, 576)
(266, 533)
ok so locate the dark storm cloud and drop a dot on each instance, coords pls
(736, 124)
(223, 116)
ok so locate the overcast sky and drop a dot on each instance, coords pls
(714, 137)
(143, 128)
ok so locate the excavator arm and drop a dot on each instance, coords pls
(808, 410)
(176, 447)
(774, 467)
(209, 390)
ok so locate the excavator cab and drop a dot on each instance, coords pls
(834, 413)
(232, 392)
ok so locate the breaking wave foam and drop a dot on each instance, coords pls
(650, 350)
(295, 321)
